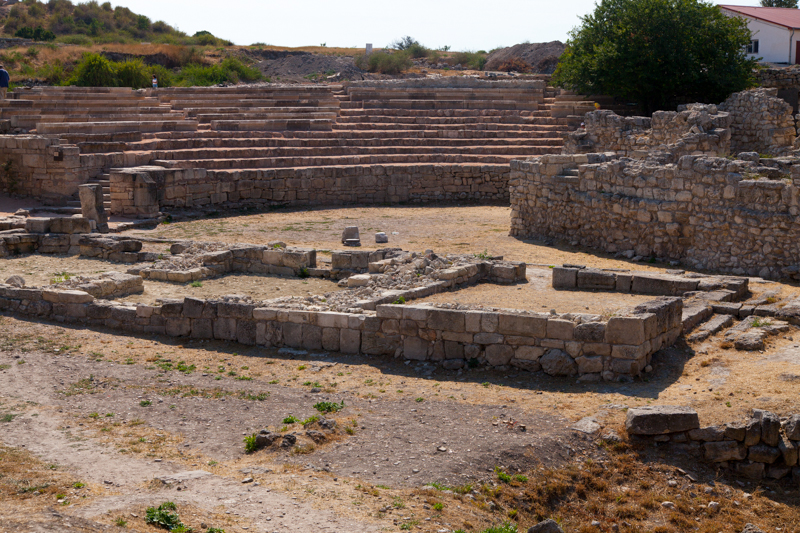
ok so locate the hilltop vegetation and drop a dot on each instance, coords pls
(94, 23)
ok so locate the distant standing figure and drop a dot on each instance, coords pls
(4, 79)
(155, 82)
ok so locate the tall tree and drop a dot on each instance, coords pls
(779, 3)
(658, 53)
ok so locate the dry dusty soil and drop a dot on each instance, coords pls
(96, 427)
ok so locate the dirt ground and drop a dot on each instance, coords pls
(96, 427)
(443, 229)
(538, 295)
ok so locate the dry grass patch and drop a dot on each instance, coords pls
(29, 483)
(627, 489)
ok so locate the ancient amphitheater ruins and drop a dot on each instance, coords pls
(711, 190)
(666, 187)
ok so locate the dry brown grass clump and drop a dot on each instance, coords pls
(26, 480)
(627, 489)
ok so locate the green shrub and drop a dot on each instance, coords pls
(470, 60)
(329, 407)
(162, 517)
(384, 62)
(230, 70)
(94, 70)
(416, 51)
(250, 443)
(78, 40)
(52, 73)
(404, 43)
(133, 73)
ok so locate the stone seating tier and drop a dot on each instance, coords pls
(117, 126)
(312, 161)
(30, 121)
(443, 104)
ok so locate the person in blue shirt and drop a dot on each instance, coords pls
(4, 79)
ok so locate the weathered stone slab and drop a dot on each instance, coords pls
(661, 419)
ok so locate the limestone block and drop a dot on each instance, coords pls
(330, 339)
(589, 365)
(589, 332)
(446, 320)
(350, 341)
(708, 434)
(596, 279)
(246, 332)
(453, 350)
(67, 297)
(359, 280)
(202, 328)
(792, 428)
(660, 420)
(531, 326)
(38, 225)
(178, 327)
(625, 330)
(558, 363)
(375, 343)
(225, 329)
(789, 450)
(761, 453)
(560, 329)
(311, 337)
(499, 354)
(770, 426)
(727, 450)
(565, 278)
(70, 225)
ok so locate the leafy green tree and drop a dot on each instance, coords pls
(658, 53)
(779, 3)
(94, 70)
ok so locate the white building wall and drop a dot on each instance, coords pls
(776, 44)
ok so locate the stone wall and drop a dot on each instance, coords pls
(762, 122)
(693, 129)
(780, 78)
(708, 213)
(372, 184)
(561, 345)
(42, 167)
(764, 446)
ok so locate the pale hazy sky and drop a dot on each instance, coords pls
(461, 24)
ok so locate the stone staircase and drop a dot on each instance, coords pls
(231, 130)
(79, 110)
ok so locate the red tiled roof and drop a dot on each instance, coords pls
(782, 16)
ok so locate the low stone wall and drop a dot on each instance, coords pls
(762, 122)
(694, 128)
(42, 167)
(711, 213)
(561, 345)
(765, 446)
(144, 191)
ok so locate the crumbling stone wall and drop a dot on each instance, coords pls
(762, 122)
(373, 184)
(709, 213)
(764, 446)
(561, 345)
(34, 165)
(693, 129)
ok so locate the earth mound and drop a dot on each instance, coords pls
(542, 57)
(297, 67)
